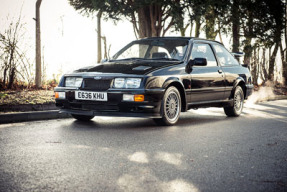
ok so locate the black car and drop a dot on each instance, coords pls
(157, 78)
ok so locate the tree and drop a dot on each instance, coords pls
(235, 21)
(38, 79)
(99, 30)
(13, 61)
(284, 52)
(255, 26)
(276, 13)
(150, 18)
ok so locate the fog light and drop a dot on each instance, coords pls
(127, 97)
(60, 95)
(139, 98)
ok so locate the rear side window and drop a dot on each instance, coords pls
(203, 51)
(225, 58)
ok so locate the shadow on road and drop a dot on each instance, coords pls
(186, 120)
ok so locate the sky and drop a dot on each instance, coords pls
(69, 39)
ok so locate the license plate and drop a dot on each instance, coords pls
(93, 96)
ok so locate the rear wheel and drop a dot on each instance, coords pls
(238, 100)
(83, 117)
(171, 107)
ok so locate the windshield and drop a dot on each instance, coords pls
(154, 49)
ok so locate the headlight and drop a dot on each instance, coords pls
(133, 83)
(119, 83)
(73, 81)
(129, 83)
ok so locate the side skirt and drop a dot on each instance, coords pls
(216, 103)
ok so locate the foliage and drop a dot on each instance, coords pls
(253, 24)
(14, 65)
(149, 17)
(17, 97)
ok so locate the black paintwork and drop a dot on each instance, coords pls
(199, 86)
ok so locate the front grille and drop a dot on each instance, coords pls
(98, 85)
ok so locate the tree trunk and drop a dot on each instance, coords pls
(220, 36)
(286, 32)
(105, 47)
(248, 51)
(235, 26)
(255, 67)
(99, 37)
(11, 77)
(210, 23)
(191, 28)
(4, 77)
(183, 30)
(38, 80)
(197, 26)
(248, 34)
(272, 62)
(144, 22)
(284, 65)
(264, 73)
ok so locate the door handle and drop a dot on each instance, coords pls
(220, 71)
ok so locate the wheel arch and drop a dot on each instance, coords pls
(177, 84)
(239, 82)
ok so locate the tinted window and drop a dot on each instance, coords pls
(225, 58)
(173, 49)
(203, 51)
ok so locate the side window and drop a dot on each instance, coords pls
(225, 58)
(203, 51)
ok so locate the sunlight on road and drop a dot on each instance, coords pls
(170, 158)
(11, 125)
(145, 180)
(139, 157)
(173, 159)
(180, 186)
(265, 110)
(210, 111)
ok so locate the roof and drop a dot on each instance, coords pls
(179, 37)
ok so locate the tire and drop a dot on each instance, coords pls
(82, 117)
(170, 107)
(238, 100)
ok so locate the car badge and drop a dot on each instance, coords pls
(97, 78)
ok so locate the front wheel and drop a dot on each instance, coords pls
(83, 117)
(171, 107)
(238, 100)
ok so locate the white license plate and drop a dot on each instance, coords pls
(93, 96)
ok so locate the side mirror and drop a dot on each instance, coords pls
(195, 62)
(198, 62)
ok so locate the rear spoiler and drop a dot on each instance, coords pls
(238, 54)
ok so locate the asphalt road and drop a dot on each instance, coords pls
(205, 151)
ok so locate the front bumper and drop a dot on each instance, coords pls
(115, 106)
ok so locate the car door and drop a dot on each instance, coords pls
(207, 82)
(230, 66)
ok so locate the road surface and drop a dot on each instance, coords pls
(205, 151)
